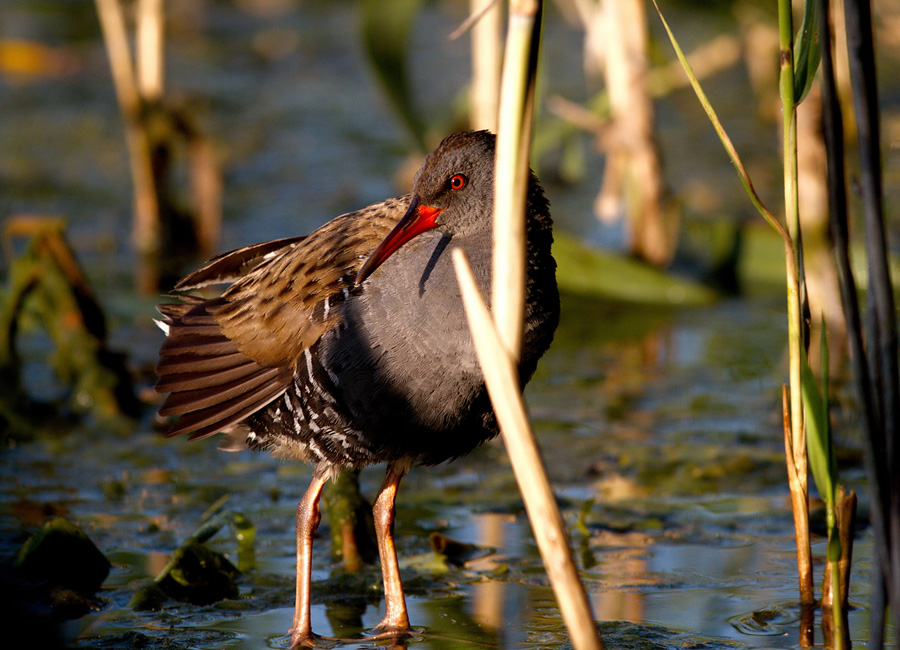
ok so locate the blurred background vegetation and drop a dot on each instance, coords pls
(317, 106)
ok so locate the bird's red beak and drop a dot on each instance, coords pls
(418, 219)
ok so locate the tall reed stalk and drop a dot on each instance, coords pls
(154, 127)
(487, 59)
(808, 443)
(146, 226)
(793, 264)
(873, 340)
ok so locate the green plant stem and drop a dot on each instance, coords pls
(837, 613)
(792, 259)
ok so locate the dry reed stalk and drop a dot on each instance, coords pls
(800, 508)
(498, 337)
(146, 228)
(635, 182)
(546, 522)
(511, 171)
(206, 189)
(487, 57)
(150, 52)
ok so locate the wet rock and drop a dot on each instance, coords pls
(158, 640)
(150, 597)
(198, 575)
(70, 604)
(60, 554)
(54, 577)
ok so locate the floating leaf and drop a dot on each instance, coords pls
(585, 271)
(581, 522)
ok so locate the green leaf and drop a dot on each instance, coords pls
(386, 26)
(818, 430)
(245, 532)
(807, 51)
(580, 523)
(720, 131)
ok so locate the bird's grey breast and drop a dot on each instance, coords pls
(405, 343)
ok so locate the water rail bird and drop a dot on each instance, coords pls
(350, 346)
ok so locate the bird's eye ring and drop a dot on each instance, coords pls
(457, 182)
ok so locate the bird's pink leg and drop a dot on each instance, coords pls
(307, 522)
(395, 618)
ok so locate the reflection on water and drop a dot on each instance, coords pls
(730, 592)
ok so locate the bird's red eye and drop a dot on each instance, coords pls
(457, 182)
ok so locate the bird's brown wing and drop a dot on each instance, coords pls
(211, 384)
(232, 266)
(225, 358)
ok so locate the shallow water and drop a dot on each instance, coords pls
(660, 426)
(672, 538)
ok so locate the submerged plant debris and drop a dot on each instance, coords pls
(47, 290)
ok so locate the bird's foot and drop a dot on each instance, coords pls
(389, 628)
(303, 639)
(380, 632)
(393, 624)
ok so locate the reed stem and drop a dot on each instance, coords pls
(793, 261)
(498, 338)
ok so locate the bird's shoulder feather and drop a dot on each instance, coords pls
(284, 305)
(227, 357)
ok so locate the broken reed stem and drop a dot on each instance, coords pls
(498, 338)
(503, 387)
(800, 508)
(146, 227)
(836, 576)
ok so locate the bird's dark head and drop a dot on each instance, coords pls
(457, 178)
(453, 191)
